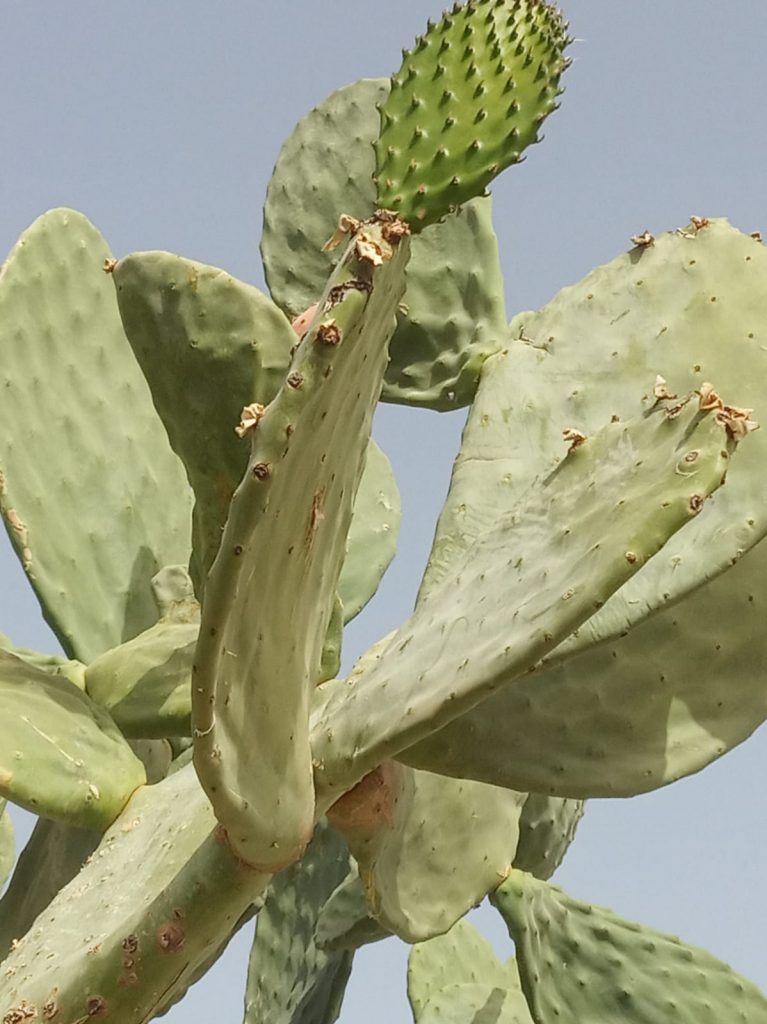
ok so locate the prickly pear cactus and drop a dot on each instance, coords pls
(468, 99)
(588, 623)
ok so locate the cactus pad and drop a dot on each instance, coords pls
(673, 668)
(7, 844)
(372, 539)
(271, 591)
(526, 584)
(428, 848)
(456, 977)
(580, 963)
(468, 99)
(208, 345)
(152, 931)
(290, 979)
(77, 425)
(344, 922)
(546, 828)
(453, 315)
(146, 683)
(61, 756)
(53, 855)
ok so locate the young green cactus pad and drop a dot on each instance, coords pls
(60, 754)
(271, 590)
(454, 314)
(649, 315)
(546, 828)
(468, 99)
(208, 346)
(77, 425)
(428, 848)
(144, 938)
(526, 584)
(53, 855)
(456, 977)
(290, 978)
(580, 963)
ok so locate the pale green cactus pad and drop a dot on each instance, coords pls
(208, 345)
(53, 855)
(546, 828)
(61, 755)
(290, 979)
(684, 685)
(457, 977)
(77, 425)
(55, 664)
(150, 932)
(344, 922)
(527, 583)
(468, 99)
(580, 963)
(428, 848)
(271, 591)
(7, 844)
(146, 683)
(453, 315)
(476, 1004)
(372, 540)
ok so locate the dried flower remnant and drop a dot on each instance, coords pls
(644, 240)
(573, 437)
(250, 418)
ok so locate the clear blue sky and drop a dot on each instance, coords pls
(161, 122)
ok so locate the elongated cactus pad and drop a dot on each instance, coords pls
(546, 828)
(53, 855)
(468, 99)
(453, 313)
(7, 844)
(580, 963)
(572, 540)
(457, 977)
(77, 425)
(290, 979)
(271, 590)
(683, 685)
(208, 345)
(428, 848)
(61, 756)
(142, 939)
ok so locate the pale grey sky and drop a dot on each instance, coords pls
(161, 122)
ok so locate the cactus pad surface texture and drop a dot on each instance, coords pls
(468, 99)
(189, 481)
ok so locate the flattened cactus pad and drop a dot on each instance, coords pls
(468, 99)
(271, 590)
(581, 964)
(61, 755)
(77, 425)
